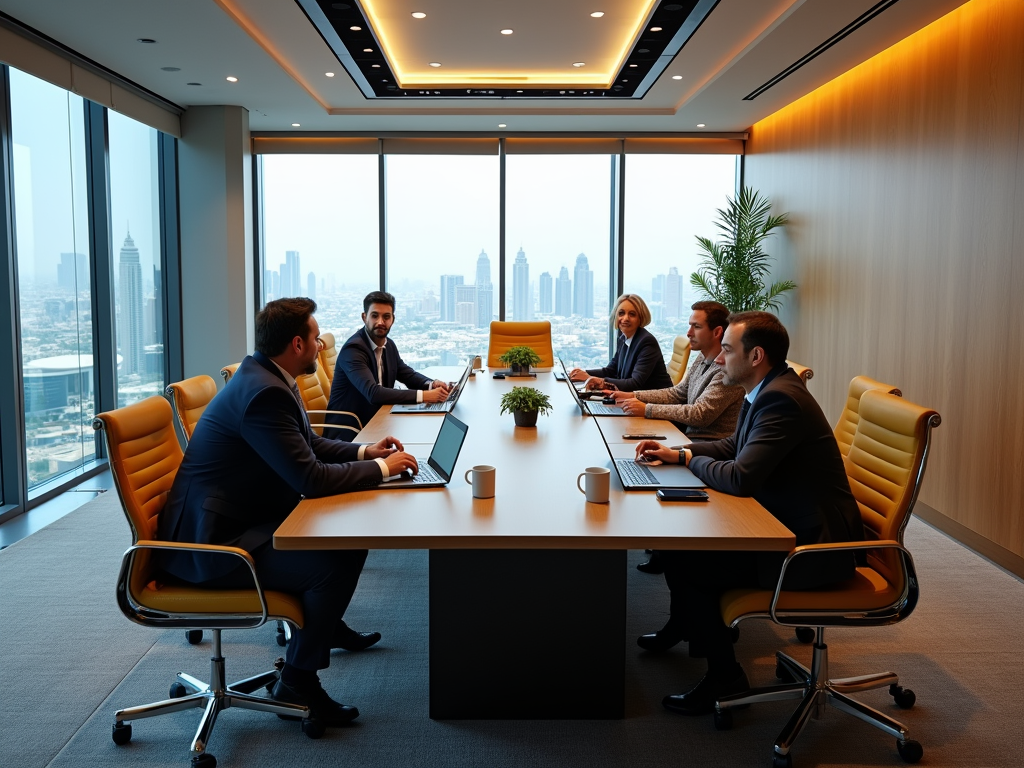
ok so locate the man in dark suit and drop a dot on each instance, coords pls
(368, 366)
(638, 362)
(251, 459)
(784, 454)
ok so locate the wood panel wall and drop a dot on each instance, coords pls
(905, 181)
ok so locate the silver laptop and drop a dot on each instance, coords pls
(435, 470)
(589, 406)
(445, 406)
(640, 476)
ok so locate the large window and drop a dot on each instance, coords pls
(321, 233)
(135, 214)
(442, 255)
(52, 244)
(670, 200)
(557, 246)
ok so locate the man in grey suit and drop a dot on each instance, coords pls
(784, 454)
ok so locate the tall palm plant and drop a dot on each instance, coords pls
(733, 271)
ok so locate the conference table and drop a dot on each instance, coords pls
(527, 589)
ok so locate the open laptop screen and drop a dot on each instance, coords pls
(447, 446)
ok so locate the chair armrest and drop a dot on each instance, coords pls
(839, 546)
(340, 413)
(355, 430)
(129, 554)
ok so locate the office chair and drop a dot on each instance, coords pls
(144, 457)
(805, 373)
(885, 467)
(846, 427)
(190, 398)
(505, 335)
(228, 371)
(315, 397)
(680, 360)
(328, 357)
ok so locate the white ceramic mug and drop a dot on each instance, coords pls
(483, 481)
(478, 363)
(598, 483)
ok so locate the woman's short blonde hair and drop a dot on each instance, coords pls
(636, 301)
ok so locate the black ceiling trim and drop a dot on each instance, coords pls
(845, 32)
(650, 55)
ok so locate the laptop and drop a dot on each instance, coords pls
(436, 470)
(589, 406)
(640, 476)
(445, 406)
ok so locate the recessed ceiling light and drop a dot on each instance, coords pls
(375, 66)
(579, 64)
(632, 65)
(419, 15)
(367, 50)
(146, 40)
(328, 74)
(677, 77)
(295, 125)
(231, 79)
(597, 14)
(506, 31)
(700, 125)
(356, 29)
(435, 63)
(171, 69)
(502, 125)
(655, 29)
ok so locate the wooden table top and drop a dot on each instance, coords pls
(537, 504)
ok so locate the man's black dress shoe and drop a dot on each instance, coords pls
(321, 706)
(348, 639)
(662, 640)
(700, 700)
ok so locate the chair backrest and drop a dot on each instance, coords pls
(328, 357)
(885, 467)
(144, 457)
(505, 335)
(805, 373)
(846, 427)
(680, 359)
(228, 371)
(311, 387)
(190, 398)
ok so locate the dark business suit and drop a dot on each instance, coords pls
(251, 459)
(355, 386)
(784, 454)
(637, 366)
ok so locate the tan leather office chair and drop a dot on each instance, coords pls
(228, 371)
(315, 397)
(805, 373)
(535, 335)
(846, 427)
(190, 398)
(680, 360)
(885, 466)
(328, 357)
(144, 457)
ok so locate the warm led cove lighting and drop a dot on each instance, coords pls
(597, 14)
(506, 31)
(231, 79)
(419, 15)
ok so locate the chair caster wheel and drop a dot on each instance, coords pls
(177, 691)
(904, 697)
(314, 729)
(205, 760)
(782, 761)
(194, 636)
(805, 634)
(911, 751)
(723, 720)
(121, 733)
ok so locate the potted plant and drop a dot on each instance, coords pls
(525, 404)
(733, 270)
(519, 360)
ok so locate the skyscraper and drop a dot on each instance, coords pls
(291, 260)
(657, 288)
(546, 297)
(483, 269)
(73, 272)
(583, 295)
(522, 304)
(311, 286)
(130, 343)
(563, 294)
(672, 299)
(448, 283)
(484, 292)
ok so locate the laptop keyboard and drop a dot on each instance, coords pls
(443, 403)
(426, 475)
(600, 409)
(635, 474)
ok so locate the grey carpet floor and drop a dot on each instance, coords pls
(70, 660)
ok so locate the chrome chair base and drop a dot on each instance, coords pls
(213, 697)
(816, 691)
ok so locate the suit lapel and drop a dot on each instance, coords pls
(747, 407)
(267, 363)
